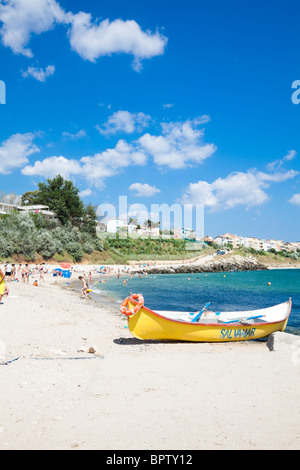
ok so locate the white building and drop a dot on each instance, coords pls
(7, 208)
(225, 239)
(145, 231)
(184, 233)
(132, 228)
(114, 224)
(38, 209)
(257, 244)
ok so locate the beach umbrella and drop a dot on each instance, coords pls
(65, 265)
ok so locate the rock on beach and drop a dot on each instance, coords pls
(234, 263)
(280, 341)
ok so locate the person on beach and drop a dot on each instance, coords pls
(19, 271)
(14, 272)
(84, 287)
(8, 271)
(25, 273)
(41, 271)
(2, 285)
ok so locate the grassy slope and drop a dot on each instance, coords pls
(122, 251)
(269, 259)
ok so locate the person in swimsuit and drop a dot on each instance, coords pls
(25, 273)
(8, 271)
(41, 271)
(84, 287)
(2, 285)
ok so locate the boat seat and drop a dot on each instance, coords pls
(206, 317)
(243, 321)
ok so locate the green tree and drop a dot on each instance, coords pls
(149, 223)
(31, 198)
(89, 220)
(61, 196)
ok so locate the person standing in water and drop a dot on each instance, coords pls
(84, 287)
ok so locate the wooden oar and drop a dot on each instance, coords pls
(200, 313)
(241, 320)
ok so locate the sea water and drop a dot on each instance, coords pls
(226, 291)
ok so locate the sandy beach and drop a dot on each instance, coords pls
(127, 394)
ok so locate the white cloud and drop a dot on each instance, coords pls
(278, 163)
(38, 73)
(23, 18)
(277, 177)
(85, 193)
(123, 121)
(52, 166)
(93, 40)
(78, 135)
(14, 151)
(237, 189)
(144, 190)
(180, 145)
(110, 162)
(295, 200)
(200, 193)
(94, 169)
(290, 155)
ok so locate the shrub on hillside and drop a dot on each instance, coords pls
(27, 234)
(45, 244)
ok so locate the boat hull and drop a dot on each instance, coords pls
(148, 325)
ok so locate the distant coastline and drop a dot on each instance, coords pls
(207, 261)
(232, 263)
(213, 263)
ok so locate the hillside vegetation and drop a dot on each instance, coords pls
(34, 238)
(281, 258)
(136, 249)
(31, 237)
(71, 236)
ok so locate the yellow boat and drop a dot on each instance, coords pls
(203, 326)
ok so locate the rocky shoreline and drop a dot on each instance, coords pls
(234, 263)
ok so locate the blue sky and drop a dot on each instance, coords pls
(164, 102)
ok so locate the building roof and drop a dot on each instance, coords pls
(33, 208)
(8, 205)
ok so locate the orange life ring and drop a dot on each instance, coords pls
(140, 304)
